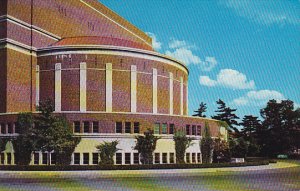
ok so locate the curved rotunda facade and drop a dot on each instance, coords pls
(100, 72)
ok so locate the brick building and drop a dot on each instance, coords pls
(100, 71)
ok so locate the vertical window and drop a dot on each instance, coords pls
(194, 130)
(187, 158)
(95, 127)
(3, 128)
(198, 130)
(9, 128)
(164, 128)
(95, 158)
(187, 130)
(193, 157)
(172, 159)
(156, 128)
(118, 158)
(8, 155)
(86, 127)
(157, 158)
(164, 158)
(53, 158)
(77, 127)
(127, 158)
(136, 128)
(118, 127)
(199, 157)
(17, 128)
(136, 158)
(44, 158)
(36, 157)
(127, 127)
(86, 158)
(2, 159)
(171, 129)
(76, 158)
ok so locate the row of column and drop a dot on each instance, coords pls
(109, 90)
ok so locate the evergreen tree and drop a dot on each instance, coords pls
(227, 115)
(107, 150)
(206, 145)
(202, 109)
(181, 144)
(250, 125)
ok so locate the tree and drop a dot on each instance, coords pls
(206, 145)
(250, 125)
(145, 145)
(221, 151)
(54, 134)
(26, 142)
(181, 144)
(226, 114)
(202, 109)
(107, 150)
(238, 147)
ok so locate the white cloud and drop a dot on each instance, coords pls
(209, 63)
(265, 12)
(229, 78)
(184, 55)
(258, 98)
(177, 44)
(155, 43)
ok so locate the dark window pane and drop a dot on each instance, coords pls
(193, 157)
(136, 127)
(118, 158)
(156, 128)
(86, 127)
(198, 130)
(164, 158)
(95, 127)
(53, 158)
(171, 158)
(127, 127)
(187, 157)
(3, 128)
(8, 155)
(187, 130)
(157, 158)
(9, 128)
(76, 158)
(86, 158)
(127, 158)
(164, 128)
(95, 158)
(193, 130)
(44, 158)
(199, 157)
(118, 127)
(17, 128)
(2, 158)
(36, 158)
(171, 129)
(136, 158)
(77, 127)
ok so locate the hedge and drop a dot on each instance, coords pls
(127, 167)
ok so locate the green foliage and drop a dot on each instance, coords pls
(221, 151)
(145, 145)
(181, 144)
(238, 147)
(202, 109)
(107, 150)
(206, 145)
(3, 142)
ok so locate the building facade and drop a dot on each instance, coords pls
(100, 72)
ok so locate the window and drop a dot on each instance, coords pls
(156, 128)
(44, 158)
(17, 128)
(136, 158)
(164, 158)
(8, 155)
(136, 127)
(199, 157)
(77, 127)
(36, 157)
(118, 127)
(157, 158)
(53, 158)
(172, 158)
(198, 130)
(187, 158)
(171, 129)
(3, 128)
(2, 159)
(164, 128)
(127, 158)
(86, 158)
(86, 127)
(194, 130)
(95, 158)
(76, 158)
(187, 130)
(193, 157)
(118, 158)
(9, 128)
(127, 127)
(95, 127)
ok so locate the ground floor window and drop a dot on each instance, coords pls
(53, 158)
(2, 159)
(172, 160)
(157, 158)
(77, 127)
(8, 155)
(44, 158)
(95, 127)
(86, 158)
(95, 158)
(76, 158)
(127, 158)
(36, 157)
(136, 158)
(118, 158)
(199, 157)
(193, 157)
(187, 158)
(86, 127)
(165, 158)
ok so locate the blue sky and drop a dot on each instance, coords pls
(244, 52)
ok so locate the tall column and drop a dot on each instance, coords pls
(58, 87)
(83, 87)
(181, 95)
(37, 85)
(133, 88)
(154, 90)
(108, 74)
(187, 99)
(171, 93)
